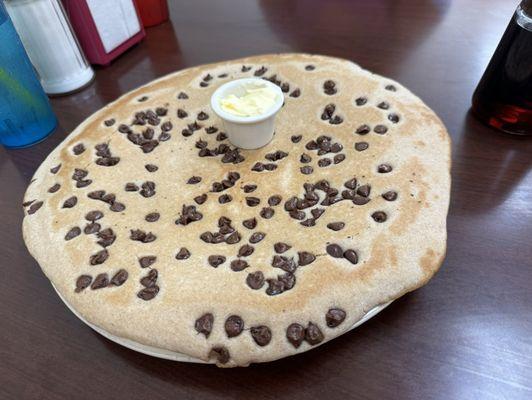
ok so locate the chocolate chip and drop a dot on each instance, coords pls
(108, 198)
(390, 195)
(200, 199)
(393, 117)
(338, 158)
(147, 261)
(295, 333)
(309, 67)
(360, 101)
(308, 222)
(224, 198)
(141, 236)
(324, 162)
(255, 280)
(305, 158)
(55, 169)
(267, 212)
(275, 156)
(239, 265)
(93, 215)
(131, 187)
(207, 78)
(99, 257)
(109, 122)
(91, 228)
(216, 260)
(182, 254)
(149, 146)
(193, 180)
(164, 136)
(221, 136)
(122, 128)
(252, 201)
(108, 161)
(83, 183)
(351, 256)
(256, 237)
(202, 116)
(275, 287)
(161, 111)
(233, 238)
(380, 129)
(262, 335)
(101, 281)
(250, 223)
(305, 258)
(246, 250)
(224, 75)
(150, 279)
(379, 216)
(96, 194)
(182, 96)
(336, 226)
(261, 71)
(360, 201)
(151, 167)
(334, 251)
(281, 247)
(82, 283)
(307, 170)
(148, 189)
(181, 113)
(72, 233)
(383, 105)
(148, 293)
(328, 112)
(336, 120)
(203, 84)
(361, 146)
(296, 214)
(54, 188)
(143, 98)
(363, 129)
(329, 87)
(207, 237)
(204, 324)
(234, 325)
(295, 93)
(311, 145)
(384, 168)
(27, 203)
(313, 334)
(364, 190)
(220, 353)
(78, 149)
(249, 188)
(285, 263)
(119, 278)
(245, 68)
(117, 207)
(285, 87)
(334, 317)
(391, 88)
(152, 217)
(288, 280)
(107, 237)
(186, 133)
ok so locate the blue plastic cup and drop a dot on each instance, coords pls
(25, 113)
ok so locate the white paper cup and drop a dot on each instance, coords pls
(247, 132)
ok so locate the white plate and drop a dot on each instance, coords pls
(175, 356)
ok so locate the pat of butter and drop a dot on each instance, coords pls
(255, 101)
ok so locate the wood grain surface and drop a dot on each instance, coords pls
(466, 335)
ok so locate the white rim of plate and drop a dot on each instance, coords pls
(173, 355)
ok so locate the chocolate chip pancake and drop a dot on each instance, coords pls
(154, 228)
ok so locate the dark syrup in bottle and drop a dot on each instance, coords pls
(503, 98)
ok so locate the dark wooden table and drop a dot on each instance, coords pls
(466, 335)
